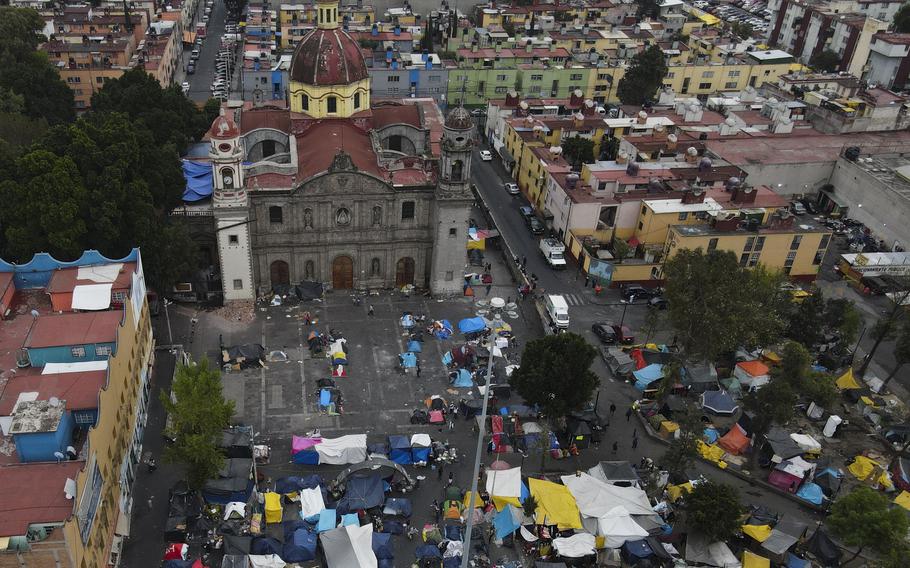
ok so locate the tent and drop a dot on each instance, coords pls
(383, 547)
(506, 521)
(596, 498)
(349, 546)
(699, 377)
(234, 482)
(635, 551)
(847, 381)
(615, 473)
(648, 375)
(461, 378)
(266, 545)
(719, 403)
(420, 447)
(759, 533)
(699, 550)
(555, 504)
(361, 493)
(301, 547)
(823, 548)
(311, 502)
(829, 480)
(471, 325)
(407, 360)
(752, 560)
(575, 546)
(863, 468)
(735, 440)
(292, 484)
(794, 561)
(303, 450)
(782, 446)
(617, 528)
(386, 469)
(343, 450)
(504, 486)
(903, 499)
(400, 450)
(398, 506)
(326, 521)
(812, 493)
(752, 374)
(414, 346)
(273, 509)
(806, 443)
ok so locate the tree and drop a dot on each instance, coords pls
(643, 77)
(578, 151)
(742, 30)
(825, 61)
(864, 518)
(197, 415)
(555, 374)
(648, 8)
(773, 403)
(902, 19)
(807, 320)
(684, 449)
(714, 510)
(796, 370)
(609, 148)
(652, 321)
(716, 306)
(842, 317)
(885, 328)
(901, 351)
(426, 41)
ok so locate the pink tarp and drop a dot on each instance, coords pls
(298, 444)
(785, 481)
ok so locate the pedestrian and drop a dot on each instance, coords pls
(634, 442)
(451, 479)
(615, 447)
(508, 300)
(612, 409)
(439, 472)
(635, 433)
(370, 310)
(435, 510)
(524, 261)
(629, 414)
(489, 287)
(490, 447)
(150, 504)
(587, 280)
(451, 422)
(418, 369)
(152, 465)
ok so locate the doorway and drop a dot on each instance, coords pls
(342, 273)
(279, 273)
(404, 272)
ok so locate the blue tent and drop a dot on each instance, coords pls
(407, 321)
(637, 549)
(647, 375)
(397, 506)
(326, 520)
(301, 547)
(400, 450)
(471, 325)
(428, 551)
(447, 359)
(382, 546)
(462, 379)
(266, 545)
(361, 493)
(420, 453)
(306, 457)
(711, 435)
(506, 522)
(198, 177)
(452, 532)
(414, 346)
(794, 561)
(325, 397)
(445, 332)
(408, 360)
(350, 519)
(811, 492)
(718, 402)
(291, 484)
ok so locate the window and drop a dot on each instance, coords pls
(99, 80)
(453, 232)
(103, 351)
(435, 79)
(753, 260)
(233, 240)
(641, 225)
(407, 210)
(394, 78)
(760, 243)
(534, 89)
(77, 352)
(731, 85)
(332, 105)
(238, 284)
(825, 240)
(537, 77)
(704, 86)
(356, 100)
(604, 77)
(671, 75)
(750, 243)
(791, 256)
(88, 504)
(712, 245)
(819, 256)
(276, 214)
(500, 89)
(575, 77)
(794, 244)
(707, 74)
(683, 216)
(268, 148)
(305, 102)
(118, 297)
(733, 73)
(644, 210)
(450, 275)
(744, 259)
(84, 417)
(501, 77)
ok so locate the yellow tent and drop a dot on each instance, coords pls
(555, 504)
(903, 500)
(846, 381)
(758, 532)
(677, 491)
(752, 560)
(479, 244)
(712, 453)
(272, 507)
(862, 468)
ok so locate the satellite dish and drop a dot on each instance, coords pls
(54, 401)
(577, 92)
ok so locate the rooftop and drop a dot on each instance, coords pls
(798, 226)
(74, 329)
(80, 389)
(45, 503)
(118, 274)
(796, 149)
(36, 416)
(660, 206)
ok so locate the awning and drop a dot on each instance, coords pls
(189, 37)
(92, 297)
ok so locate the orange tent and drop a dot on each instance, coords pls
(735, 441)
(754, 368)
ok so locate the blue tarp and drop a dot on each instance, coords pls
(306, 457)
(637, 548)
(428, 551)
(506, 522)
(420, 454)
(178, 564)
(301, 547)
(647, 375)
(361, 493)
(451, 562)
(407, 321)
(462, 379)
(350, 519)
(811, 492)
(447, 358)
(400, 450)
(445, 332)
(718, 402)
(291, 484)
(398, 506)
(711, 435)
(326, 520)
(794, 561)
(382, 546)
(342, 359)
(198, 177)
(525, 493)
(452, 532)
(408, 360)
(266, 545)
(414, 346)
(471, 325)
(325, 397)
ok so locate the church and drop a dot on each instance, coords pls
(354, 193)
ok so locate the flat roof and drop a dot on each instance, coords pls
(677, 205)
(33, 493)
(769, 54)
(74, 329)
(878, 258)
(79, 389)
(116, 273)
(795, 148)
(37, 416)
(798, 226)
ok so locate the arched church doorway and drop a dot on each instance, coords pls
(342, 273)
(279, 273)
(404, 272)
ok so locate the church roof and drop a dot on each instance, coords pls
(459, 119)
(224, 127)
(328, 57)
(402, 113)
(324, 139)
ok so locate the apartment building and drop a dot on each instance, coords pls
(160, 51)
(86, 65)
(421, 75)
(889, 61)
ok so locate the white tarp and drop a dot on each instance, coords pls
(596, 498)
(266, 561)
(234, 507)
(531, 428)
(806, 443)
(504, 482)
(349, 546)
(421, 441)
(343, 450)
(576, 546)
(796, 466)
(698, 550)
(82, 367)
(92, 297)
(102, 273)
(617, 527)
(311, 502)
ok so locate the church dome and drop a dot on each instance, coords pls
(224, 126)
(459, 119)
(328, 57)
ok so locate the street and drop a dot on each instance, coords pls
(201, 81)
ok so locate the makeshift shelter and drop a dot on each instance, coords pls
(635, 551)
(301, 547)
(236, 443)
(699, 377)
(397, 506)
(326, 522)
(806, 443)
(576, 546)
(383, 547)
(644, 377)
(759, 533)
(273, 510)
(700, 550)
(595, 498)
(264, 545)
(555, 504)
(344, 450)
(829, 480)
(504, 486)
(506, 521)
(461, 378)
(812, 493)
(823, 548)
(676, 492)
(349, 546)
(903, 500)
(735, 440)
(237, 545)
(847, 381)
(234, 482)
(386, 469)
(615, 473)
(617, 527)
(866, 469)
(719, 403)
(243, 356)
(420, 447)
(752, 374)
(781, 445)
(752, 560)
(618, 361)
(311, 502)
(303, 450)
(789, 474)
(400, 450)
(794, 561)
(361, 493)
(785, 534)
(292, 484)
(471, 325)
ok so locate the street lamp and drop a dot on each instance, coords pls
(624, 306)
(167, 317)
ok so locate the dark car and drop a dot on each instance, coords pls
(604, 332)
(535, 226)
(658, 302)
(624, 333)
(526, 212)
(638, 292)
(190, 69)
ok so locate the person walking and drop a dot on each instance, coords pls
(152, 465)
(524, 261)
(489, 287)
(451, 420)
(370, 310)
(634, 441)
(439, 472)
(418, 369)
(451, 479)
(629, 414)
(612, 409)
(435, 507)
(615, 447)
(150, 504)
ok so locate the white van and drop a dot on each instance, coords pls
(558, 311)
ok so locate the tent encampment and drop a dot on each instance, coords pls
(700, 550)
(735, 440)
(349, 546)
(361, 493)
(400, 450)
(471, 325)
(348, 449)
(719, 403)
(555, 504)
(752, 374)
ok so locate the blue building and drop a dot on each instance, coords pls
(41, 429)
(72, 337)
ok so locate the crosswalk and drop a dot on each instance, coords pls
(575, 299)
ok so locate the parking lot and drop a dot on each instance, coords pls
(755, 13)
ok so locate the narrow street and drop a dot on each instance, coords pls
(201, 81)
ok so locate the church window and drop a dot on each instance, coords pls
(407, 210)
(238, 284)
(457, 169)
(268, 148)
(305, 102)
(453, 232)
(276, 214)
(233, 240)
(356, 100)
(332, 105)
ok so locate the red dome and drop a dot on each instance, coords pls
(224, 126)
(328, 57)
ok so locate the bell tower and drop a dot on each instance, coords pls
(452, 206)
(231, 208)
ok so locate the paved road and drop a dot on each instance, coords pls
(201, 81)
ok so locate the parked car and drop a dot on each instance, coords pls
(624, 334)
(486, 155)
(659, 303)
(526, 212)
(797, 208)
(511, 188)
(535, 226)
(191, 68)
(637, 292)
(605, 333)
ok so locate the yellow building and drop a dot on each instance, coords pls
(710, 78)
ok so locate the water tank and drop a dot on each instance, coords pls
(852, 153)
(632, 169)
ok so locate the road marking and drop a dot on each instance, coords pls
(574, 299)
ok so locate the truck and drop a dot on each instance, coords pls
(554, 251)
(558, 311)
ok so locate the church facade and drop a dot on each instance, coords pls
(340, 189)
